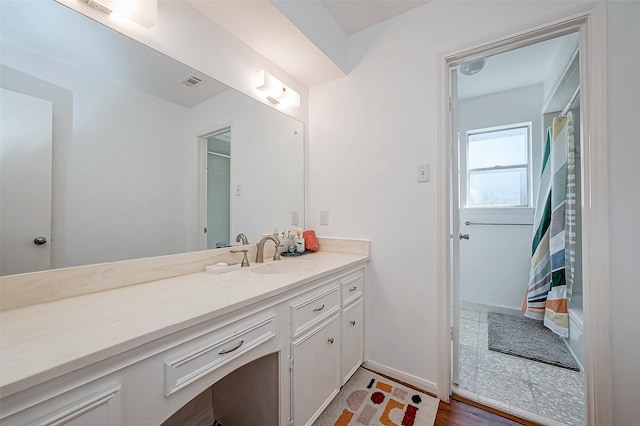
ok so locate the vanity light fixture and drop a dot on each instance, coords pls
(143, 12)
(276, 91)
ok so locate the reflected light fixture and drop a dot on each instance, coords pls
(276, 91)
(142, 12)
(472, 67)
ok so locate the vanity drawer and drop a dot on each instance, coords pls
(352, 287)
(215, 349)
(309, 309)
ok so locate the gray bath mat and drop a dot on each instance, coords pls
(528, 338)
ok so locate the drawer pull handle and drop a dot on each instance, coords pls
(227, 351)
(354, 288)
(318, 309)
(353, 322)
(330, 340)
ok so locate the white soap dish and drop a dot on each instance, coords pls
(222, 267)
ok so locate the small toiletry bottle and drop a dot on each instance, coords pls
(300, 245)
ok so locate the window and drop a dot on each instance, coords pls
(498, 167)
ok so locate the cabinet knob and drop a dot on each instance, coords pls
(353, 323)
(330, 340)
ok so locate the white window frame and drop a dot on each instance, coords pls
(467, 202)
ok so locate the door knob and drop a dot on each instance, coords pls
(464, 236)
(39, 241)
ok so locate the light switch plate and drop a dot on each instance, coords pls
(423, 172)
(295, 218)
(324, 217)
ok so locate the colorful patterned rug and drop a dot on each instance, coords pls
(371, 400)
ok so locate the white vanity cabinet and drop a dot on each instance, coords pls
(95, 404)
(316, 370)
(352, 339)
(352, 323)
(303, 332)
(327, 343)
(315, 351)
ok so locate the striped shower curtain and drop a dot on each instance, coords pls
(553, 234)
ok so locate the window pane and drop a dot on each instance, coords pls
(501, 187)
(500, 148)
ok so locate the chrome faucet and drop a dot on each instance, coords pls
(260, 252)
(243, 238)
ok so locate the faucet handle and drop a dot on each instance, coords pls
(245, 260)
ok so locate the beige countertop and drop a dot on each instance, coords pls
(46, 340)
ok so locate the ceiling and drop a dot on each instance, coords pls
(288, 47)
(293, 35)
(305, 38)
(537, 63)
(353, 16)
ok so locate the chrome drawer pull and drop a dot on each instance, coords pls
(354, 288)
(353, 322)
(318, 309)
(330, 340)
(226, 351)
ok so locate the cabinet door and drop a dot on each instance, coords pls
(352, 339)
(316, 371)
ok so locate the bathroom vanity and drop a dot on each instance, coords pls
(91, 346)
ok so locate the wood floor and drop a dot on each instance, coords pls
(458, 413)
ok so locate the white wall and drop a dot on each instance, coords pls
(267, 152)
(368, 131)
(624, 197)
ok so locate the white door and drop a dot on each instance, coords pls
(25, 183)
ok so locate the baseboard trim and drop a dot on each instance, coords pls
(419, 384)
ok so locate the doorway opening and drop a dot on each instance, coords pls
(502, 105)
(216, 188)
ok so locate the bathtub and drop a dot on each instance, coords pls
(575, 342)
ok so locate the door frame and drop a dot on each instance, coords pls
(591, 25)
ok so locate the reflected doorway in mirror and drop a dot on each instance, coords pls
(216, 180)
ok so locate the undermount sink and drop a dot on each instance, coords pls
(284, 267)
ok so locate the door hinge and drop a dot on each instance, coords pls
(290, 364)
(451, 104)
(451, 335)
(205, 229)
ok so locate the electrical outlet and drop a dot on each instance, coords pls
(295, 218)
(423, 172)
(324, 217)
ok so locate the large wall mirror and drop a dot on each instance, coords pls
(114, 151)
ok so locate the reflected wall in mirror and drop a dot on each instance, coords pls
(128, 156)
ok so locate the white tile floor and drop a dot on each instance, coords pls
(539, 392)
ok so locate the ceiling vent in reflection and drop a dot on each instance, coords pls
(192, 81)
